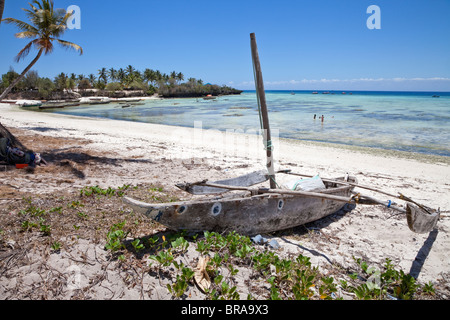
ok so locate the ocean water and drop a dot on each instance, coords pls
(405, 121)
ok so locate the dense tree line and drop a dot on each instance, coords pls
(111, 81)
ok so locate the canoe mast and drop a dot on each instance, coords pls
(263, 114)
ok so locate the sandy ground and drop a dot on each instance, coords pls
(84, 152)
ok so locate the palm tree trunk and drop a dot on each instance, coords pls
(12, 85)
(2, 6)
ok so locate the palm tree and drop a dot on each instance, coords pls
(121, 74)
(138, 75)
(148, 75)
(180, 76)
(61, 81)
(165, 78)
(47, 25)
(158, 76)
(102, 75)
(130, 70)
(91, 79)
(112, 74)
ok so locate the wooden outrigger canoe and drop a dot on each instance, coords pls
(30, 105)
(99, 102)
(262, 210)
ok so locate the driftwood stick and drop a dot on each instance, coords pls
(363, 199)
(405, 198)
(186, 186)
(400, 196)
(342, 182)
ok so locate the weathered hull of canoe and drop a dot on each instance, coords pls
(246, 215)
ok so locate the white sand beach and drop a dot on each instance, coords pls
(168, 155)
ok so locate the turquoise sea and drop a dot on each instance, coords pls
(405, 121)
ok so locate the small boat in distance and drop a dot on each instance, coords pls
(30, 105)
(99, 102)
(58, 105)
(128, 100)
(209, 97)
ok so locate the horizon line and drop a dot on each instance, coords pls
(347, 91)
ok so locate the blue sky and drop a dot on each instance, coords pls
(303, 44)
